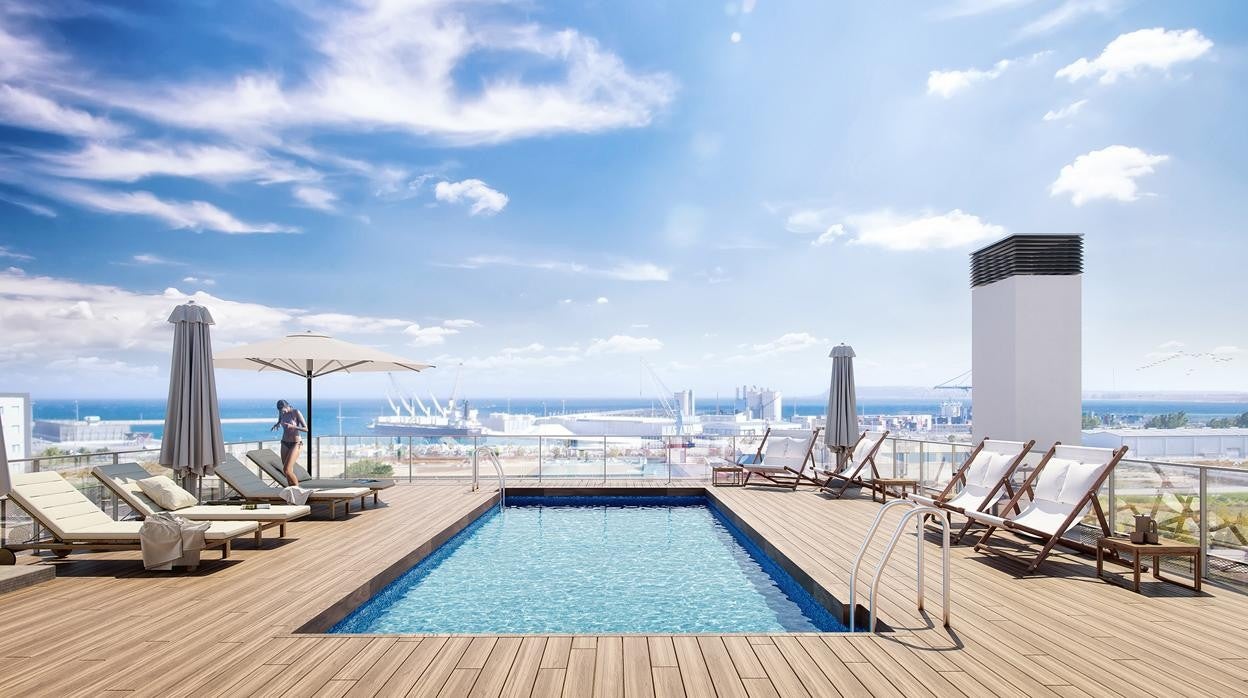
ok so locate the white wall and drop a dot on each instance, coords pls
(1026, 359)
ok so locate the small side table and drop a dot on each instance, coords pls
(1163, 548)
(901, 483)
(727, 476)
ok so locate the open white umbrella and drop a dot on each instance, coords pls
(192, 444)
(312, 355)
(842, 429)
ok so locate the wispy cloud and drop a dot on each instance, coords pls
(318, 198)
(153, 260)
(947, 83)
(1109, 173)
(787, 343)
(623, 344)
(30, 110)
(1070, 11)
(1139, 52)
(7, 253)
(623, 271)
(37, 209)
(130, 163)
(1065, 112)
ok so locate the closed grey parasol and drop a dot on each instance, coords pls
(842, 430)
(192, 444)
(6, 482)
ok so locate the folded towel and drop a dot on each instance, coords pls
(168, 539)
(295, 495)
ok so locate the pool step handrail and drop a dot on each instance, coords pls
(915, 510)
(492, 456)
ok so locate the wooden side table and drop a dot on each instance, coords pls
(727, 476)
(901, 483)
(1163, 548)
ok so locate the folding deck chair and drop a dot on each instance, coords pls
(984, 479)
(781, 459)
(850, 472)
(1061, 489)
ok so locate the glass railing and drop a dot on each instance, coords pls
(1201, 504)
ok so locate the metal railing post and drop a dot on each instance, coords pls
(922, 468)
(539, 459)
(1204, 524)
(475, 463)
(604, 459)
(409, 460)
(344, 456)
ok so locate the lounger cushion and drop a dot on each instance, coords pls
(785, 451)
(1052, 477)
(1080, 478)
(215, 512)
(127, 531)
(166, 493)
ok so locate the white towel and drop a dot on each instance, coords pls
(168, 539)
(295, 495)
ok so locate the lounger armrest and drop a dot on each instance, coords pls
(920, 499)
(985, 518)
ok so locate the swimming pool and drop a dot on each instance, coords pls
(594, 565)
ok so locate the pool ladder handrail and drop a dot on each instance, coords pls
(492, 456)
(916, 509)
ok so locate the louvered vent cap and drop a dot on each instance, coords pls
(1027, 255)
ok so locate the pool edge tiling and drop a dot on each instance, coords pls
(746, 590)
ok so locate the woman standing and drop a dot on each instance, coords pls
(290, 421)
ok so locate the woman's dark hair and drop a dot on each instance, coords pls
(282, 404)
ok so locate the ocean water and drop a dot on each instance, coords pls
(356, 414)
(594, 565)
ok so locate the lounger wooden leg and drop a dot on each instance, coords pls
(281, 530)
(333, 509)
(259, 536)
(376, 501)
(1048, 548)
(225, 549)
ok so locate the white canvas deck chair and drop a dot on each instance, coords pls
(1060, 491)
(982, 480)
(851, 474)
(781, 459)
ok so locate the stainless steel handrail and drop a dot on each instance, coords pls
(915, 510)
(492, 456)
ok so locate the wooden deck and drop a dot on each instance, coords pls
(105, 626)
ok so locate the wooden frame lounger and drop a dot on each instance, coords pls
(249, 485)
(271, 464)
(1063, 485)
(984, 479)
(781, 460)
(76, 523)
(850, 473)
(123, 480)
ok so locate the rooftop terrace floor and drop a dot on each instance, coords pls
(105, 625)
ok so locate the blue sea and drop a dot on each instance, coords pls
(357, 413)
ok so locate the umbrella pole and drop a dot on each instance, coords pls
(310, 423)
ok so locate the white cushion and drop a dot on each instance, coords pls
(977, 472)
(1080, 477)
(166, 493)
(1052, 477)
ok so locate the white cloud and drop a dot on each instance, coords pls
(1172, 344)
(1226, 350)
(119, 163)
(37, 209)
(927, 231)
(512, 361)
(623, 344)
(460, 323)
(602, 300)
(28, 109)
(1070, 11)
(526, 349)
(834, 232)
(484, 200)
(970, 8)
(7, 253)
(199, 281)
(1139, 52)
(196, 215)
(624, 271)
(316, 197)
(397, 66)
(809, 220)
(947, 83)
(342, 323)
(1109, 173)
(428, 336)
(735, 37)
(96, 364)
(784, 344)
(1065, 112)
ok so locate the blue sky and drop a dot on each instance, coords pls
(548, 192)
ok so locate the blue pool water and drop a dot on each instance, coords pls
(594, 565)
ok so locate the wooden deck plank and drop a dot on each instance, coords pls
(609, 668)
(496, 668)
(579, 679)
(638, 680)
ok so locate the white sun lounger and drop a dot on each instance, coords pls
(271, 464)
(984, 479)
(1061, 489)
(76, 523)
(123, 480)
(851, 472)
(249, 485)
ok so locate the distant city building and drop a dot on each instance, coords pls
(91, 429)
(15, 413)
(688, 405)
(1173, 444)
(761, 403)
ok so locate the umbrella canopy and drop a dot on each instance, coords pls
(842, 429)
(312, 355)
(192, 445)
(6, 483)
